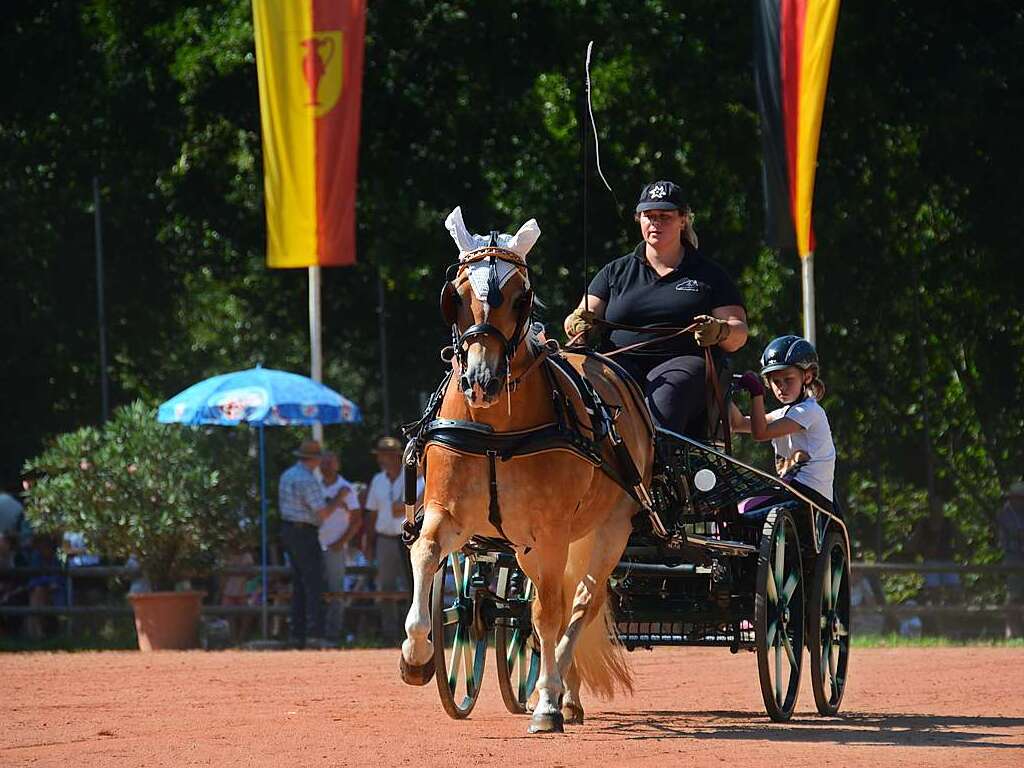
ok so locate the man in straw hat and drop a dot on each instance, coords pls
(385, 504)
(1011, 538)
(302, 507)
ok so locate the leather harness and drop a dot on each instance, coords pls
(566, 433)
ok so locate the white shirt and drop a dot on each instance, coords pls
(382, 494)
(334, 527)
(815, 439)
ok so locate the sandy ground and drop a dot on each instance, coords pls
(904, 707)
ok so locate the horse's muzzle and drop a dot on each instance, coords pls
(480, 387)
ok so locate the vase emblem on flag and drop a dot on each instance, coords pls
(321, 67)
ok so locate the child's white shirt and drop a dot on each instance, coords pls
(814, 439)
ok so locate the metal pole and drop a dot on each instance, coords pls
(101, 318)
(263, 533)
(316, 349)
(807, 271)
(382, 316)
(879, 501)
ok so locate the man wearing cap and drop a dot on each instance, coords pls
(1011, 537)
(302, 507)
(665, 281)
(386, 504)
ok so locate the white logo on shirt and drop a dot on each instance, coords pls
(688, 285)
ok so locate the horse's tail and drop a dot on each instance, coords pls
(600, 658)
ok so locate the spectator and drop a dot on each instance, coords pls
(385, 503)
(1011, 538)
(12, 591)
(12, 517)
(302, 507)
(869, 602)
(45, 588)
(239, 590)
(83, 590)
(935, 539)
(334, 535)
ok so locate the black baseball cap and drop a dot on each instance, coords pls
(661, 195)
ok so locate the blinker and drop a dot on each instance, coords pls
(494, 297)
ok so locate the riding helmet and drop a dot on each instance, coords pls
(786, 351)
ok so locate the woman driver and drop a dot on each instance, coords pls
(665, 281)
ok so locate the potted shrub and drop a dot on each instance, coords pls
(145, 491)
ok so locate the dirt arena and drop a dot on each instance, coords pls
(904, 707)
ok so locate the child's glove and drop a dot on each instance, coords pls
(710, 330)
(751, 382)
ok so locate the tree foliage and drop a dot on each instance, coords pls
(137, 488)
(480, 104)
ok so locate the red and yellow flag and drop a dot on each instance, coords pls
(309, 60)
(793, 52)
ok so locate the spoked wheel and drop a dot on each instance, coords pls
(515, 643)
(779, 615)
(460, 645)
(828, 624)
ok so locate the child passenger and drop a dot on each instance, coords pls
(805, 456)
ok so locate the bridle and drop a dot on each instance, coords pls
(451, 301)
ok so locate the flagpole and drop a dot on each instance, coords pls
(101, 319)
(382, 320)
(807, 272)
(263, 535)
(316, 350)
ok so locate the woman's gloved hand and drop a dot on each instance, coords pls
(581, 321)
(710, 330)
(751, 382)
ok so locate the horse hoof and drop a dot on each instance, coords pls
(550, 723)
(572, 714)
(416, 675)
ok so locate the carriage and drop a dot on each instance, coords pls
(720, 553)
(766, 578)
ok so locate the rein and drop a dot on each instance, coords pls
(661, 334)
(712, 387)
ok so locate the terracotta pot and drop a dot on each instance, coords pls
(167, 620)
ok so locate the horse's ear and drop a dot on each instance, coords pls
(459, 233)
(450, 302)
(523, 240)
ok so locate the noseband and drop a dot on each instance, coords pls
(451, 301)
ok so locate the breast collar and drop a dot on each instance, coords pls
(566, 433)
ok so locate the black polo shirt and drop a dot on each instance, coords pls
(637, 296)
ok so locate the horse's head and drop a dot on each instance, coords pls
(487, 300)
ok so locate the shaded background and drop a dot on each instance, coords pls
(917, 213)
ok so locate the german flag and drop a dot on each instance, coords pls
(309, 61)
(793, 49)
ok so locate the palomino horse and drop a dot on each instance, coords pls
(568, 519)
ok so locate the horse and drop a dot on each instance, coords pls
(566, 510)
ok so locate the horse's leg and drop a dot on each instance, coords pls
(599, 554)
(438, 537)
(545, 565)
(572, 709)
(578, 618)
